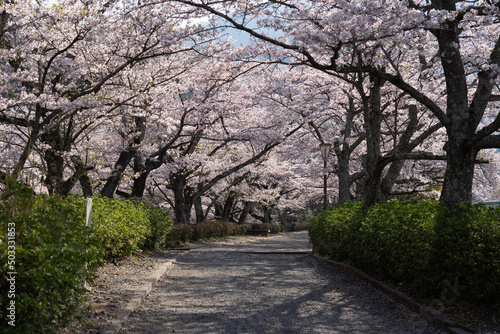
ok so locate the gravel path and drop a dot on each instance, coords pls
(265, 285)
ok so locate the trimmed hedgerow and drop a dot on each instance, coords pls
(467, 249)
(183, 233)
(272, 228)
(333, 232)
(51, 254)
(160, 224)
(302, 226)
(55, 253)
(120, 226)
(417, 244)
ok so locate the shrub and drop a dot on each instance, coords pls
(273, 228)
(123, 228)
(467, 249)
(179, 234)
(119, 226)
(416, 243)
(50, 261)
(333, 232)
(160, 225)
(302, 226)
(257, 226)
(55, 252)
(236, 229)
(397, 235)
(182, 233)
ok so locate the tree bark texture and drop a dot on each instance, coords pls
(373, 118)
(124, 159)
(183, 198)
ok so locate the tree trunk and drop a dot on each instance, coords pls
(389, 180)
(266, 214)
(228, 207)
(401, 145)
(125, 157)
(19, 166)
(86, 185)
(183, 198)
(218, 211)
(371, 183)
(247, 206)
(343, 150)
(144, 169)
(457, 185)
(343, 175)
(79, 174)
(372, 121)
(198, 209)
(182, 212)
(139, 185)
(54, 175)
(116, 175)
(224, 212)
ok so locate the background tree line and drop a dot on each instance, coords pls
(154, 99)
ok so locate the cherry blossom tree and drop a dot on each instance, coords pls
(486, 177)
(342, 116)
(453, 64)
(125, 86)
(152, 98)
(58, 61)
(228, 133)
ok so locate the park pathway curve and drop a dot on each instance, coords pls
(265, 285)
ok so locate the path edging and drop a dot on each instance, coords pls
(432, 317)
(138, 298)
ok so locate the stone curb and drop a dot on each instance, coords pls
(432, 317)
(138, 298)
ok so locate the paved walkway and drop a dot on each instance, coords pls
(265, 285)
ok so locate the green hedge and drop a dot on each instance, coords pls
(272, 228)
(160, 224)
(182, 233)
(55, 252)
(417, 244)
(120, 226)
(50, 258)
